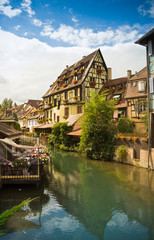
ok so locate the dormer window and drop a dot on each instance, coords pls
(141, 86)
(133, 84)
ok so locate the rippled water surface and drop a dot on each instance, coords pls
(82, 199)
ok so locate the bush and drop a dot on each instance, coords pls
(98, 129)
(122, 153)
(59, 138)
(17, 126)
(125, 125)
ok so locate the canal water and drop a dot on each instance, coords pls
(83, 199)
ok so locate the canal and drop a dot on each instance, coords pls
(83, 199)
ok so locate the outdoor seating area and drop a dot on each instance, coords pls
(19, 163)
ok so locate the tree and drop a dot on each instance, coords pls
(59, 138)
(125, 125)
(98, 129)
(7, 103)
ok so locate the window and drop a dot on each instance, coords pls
(57, 118)
(58, 105)
(66, 95)
(79, 109)
(141, 86)
(54, 117)
(129, 103)
(76, 92)
(92, 79)
(66, 112)
(142, 107)
(133, 84)
(55, 102)
(50, 114)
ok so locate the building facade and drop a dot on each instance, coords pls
(73, 87)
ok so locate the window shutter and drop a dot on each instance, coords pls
(136, 107)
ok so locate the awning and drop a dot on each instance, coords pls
(13, 144)
(43, 126)
(75, 133)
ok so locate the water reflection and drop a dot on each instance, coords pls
(81, 199)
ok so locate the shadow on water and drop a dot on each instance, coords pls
(82, 199)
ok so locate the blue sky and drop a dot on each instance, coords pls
(39, 38)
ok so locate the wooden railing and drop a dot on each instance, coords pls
(14, 174)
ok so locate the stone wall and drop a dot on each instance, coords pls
(142, 162)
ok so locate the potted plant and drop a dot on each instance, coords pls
(57, 88)
(92, 84)
(99, 70)
(64, 85)
(74, 72)
(135, 139)
(74, 81)
(75, 97)
(81, 70)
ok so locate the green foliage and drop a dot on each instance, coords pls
(7, 103)
(17, 126)
(145, 120)
(125, 125)
(4, 217)
(59, 138)
(15, 116)
(98, 129)
(122, 153)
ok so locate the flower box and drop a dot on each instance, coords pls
(57, 80)
(65, 100)
(122, 137)
(57, 88)
(64, 85)
(81, 70)
(92, 84)
(145, 139)
(111, 90)
(74, 72)
(64, 77)
(75, 81)
(75, 97)
(135, 139)
(99, 70)
(65, 117)
(129, 138)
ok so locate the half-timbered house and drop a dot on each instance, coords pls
(74, 86)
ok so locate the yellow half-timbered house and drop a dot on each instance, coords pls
(74, 86)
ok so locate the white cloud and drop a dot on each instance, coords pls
(6, 9)
(26, 6)
(147, 9)
(151, 10)
(25, 34)
(87, 37)
(17, 27)
(37, 22)
(34, 65)
(74, 19)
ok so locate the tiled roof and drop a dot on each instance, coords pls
(142, 74)
(34, 103)
(73, 118)
(33, 117)
(68, 74)
(7, 131)
(132, 91)
(113, 83)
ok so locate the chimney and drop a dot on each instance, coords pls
(129, 73)
(109, 73)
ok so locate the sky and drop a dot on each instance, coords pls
(38, 38)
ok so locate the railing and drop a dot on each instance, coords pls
(10, 174)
